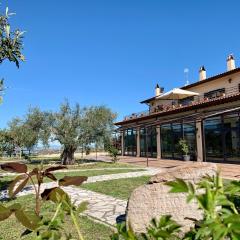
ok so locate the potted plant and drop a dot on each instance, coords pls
(185, 149)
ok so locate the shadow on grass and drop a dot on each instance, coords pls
(4, 184)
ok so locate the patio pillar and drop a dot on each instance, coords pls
(122, 143)
(159, 155)
(199, 133)
(138, 142)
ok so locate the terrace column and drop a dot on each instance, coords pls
(199, 133)
(122, 143)
(159, 155)
(138, 142)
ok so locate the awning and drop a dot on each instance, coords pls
(177, 93)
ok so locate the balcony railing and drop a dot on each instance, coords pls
(175, 104)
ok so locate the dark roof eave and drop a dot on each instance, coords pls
(182, 109)
(148, 100)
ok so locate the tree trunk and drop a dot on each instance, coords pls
(67, 156)
(96, 149)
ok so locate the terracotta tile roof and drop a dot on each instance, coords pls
(194, 105)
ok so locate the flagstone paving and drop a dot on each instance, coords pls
(101, 207)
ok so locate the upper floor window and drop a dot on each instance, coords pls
(215, 93)
(186, 101)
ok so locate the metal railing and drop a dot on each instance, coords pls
(137, 115)
(175, 104)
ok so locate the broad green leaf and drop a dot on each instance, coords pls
(178, 186)
(28, 219)
(82, 207)
(4, 212)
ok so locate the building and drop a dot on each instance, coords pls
(208, 120)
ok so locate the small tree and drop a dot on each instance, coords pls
(113, 152)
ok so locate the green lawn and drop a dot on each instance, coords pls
(88, 165)
(85, 165)
(119, 188)
(11, 230)
(4, 181)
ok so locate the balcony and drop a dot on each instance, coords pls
(187, 102)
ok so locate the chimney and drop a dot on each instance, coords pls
(202, 73)
(230, 63)
(157, 90)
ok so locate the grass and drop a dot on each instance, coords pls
(5, 181)
(86, 165)
(11, 230)
(119, 188)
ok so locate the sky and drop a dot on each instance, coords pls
(114, 52)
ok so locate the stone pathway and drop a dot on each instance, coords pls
(101, 207)
(148, 172)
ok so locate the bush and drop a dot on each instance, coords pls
(113, 152)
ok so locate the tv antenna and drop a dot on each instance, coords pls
(186, 71)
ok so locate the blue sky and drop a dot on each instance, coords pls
(113, 52)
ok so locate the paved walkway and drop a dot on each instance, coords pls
(101, 207)
(229, 171)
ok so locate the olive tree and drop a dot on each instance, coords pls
(66, 126)
(23, 136)
(6, 143)
(11, 44)
(73, 127)
(99, 125)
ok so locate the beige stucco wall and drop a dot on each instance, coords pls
(228, 83)
(224, 82)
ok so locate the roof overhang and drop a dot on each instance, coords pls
(198, 105)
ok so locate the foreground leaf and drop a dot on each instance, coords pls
(14, 167)
(51, 176)
(4, 213)
(28, 219)
(13, 188)
(51, 169)
(55, 194)
(75, 180)
(178, 186)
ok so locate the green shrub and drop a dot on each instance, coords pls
(113, 152)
